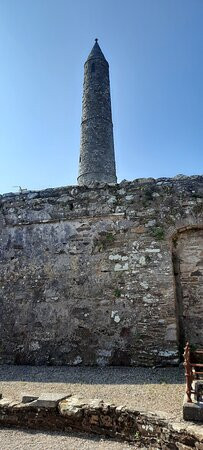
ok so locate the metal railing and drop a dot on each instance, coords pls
(192, 369)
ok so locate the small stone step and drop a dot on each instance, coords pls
(50, 400)
(27, 398)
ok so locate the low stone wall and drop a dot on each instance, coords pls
(65, 413)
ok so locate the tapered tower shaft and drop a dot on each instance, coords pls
(97, 159)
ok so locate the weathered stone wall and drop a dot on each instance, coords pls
(188, 258)
(86, 274)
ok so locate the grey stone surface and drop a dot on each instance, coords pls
(49, 400)
(198, 388)
(193, 412)
(87, 275)
(97, 159)
(188, 261)
(27, 398)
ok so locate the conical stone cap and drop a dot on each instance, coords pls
(96, 52)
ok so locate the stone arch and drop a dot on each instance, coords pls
(187, 258)
(186, 223)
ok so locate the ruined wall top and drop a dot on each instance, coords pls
(101, 199)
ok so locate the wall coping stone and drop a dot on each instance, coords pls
(47, 400)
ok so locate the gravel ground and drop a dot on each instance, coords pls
(24, 440)
(148, 389)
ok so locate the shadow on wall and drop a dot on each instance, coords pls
(93, 375)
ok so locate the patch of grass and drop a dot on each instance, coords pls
(137, 435)
(109, 237)
(105, 241)
(117, 292)
(158, 233)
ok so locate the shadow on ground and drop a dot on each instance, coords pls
(92, 375)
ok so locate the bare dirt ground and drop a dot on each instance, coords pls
(146, 389)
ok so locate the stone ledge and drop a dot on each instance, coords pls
(27, 398)
(57, 413)
(48, 400)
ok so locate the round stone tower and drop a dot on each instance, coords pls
(97, 159)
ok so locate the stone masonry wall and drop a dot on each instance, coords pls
(57, 412)
(188, 254)
(86, 274)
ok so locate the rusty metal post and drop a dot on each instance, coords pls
(188, 372)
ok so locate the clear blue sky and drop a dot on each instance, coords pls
(155, 52)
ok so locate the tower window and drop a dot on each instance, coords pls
(93, 68)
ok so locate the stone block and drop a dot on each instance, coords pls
(27, 398)
(192, 411)
(171, 332)
(4, 402)
(49, 400)
(198, 387)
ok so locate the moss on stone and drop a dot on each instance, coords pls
(158, 233)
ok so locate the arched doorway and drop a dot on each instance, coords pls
(188, 271)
